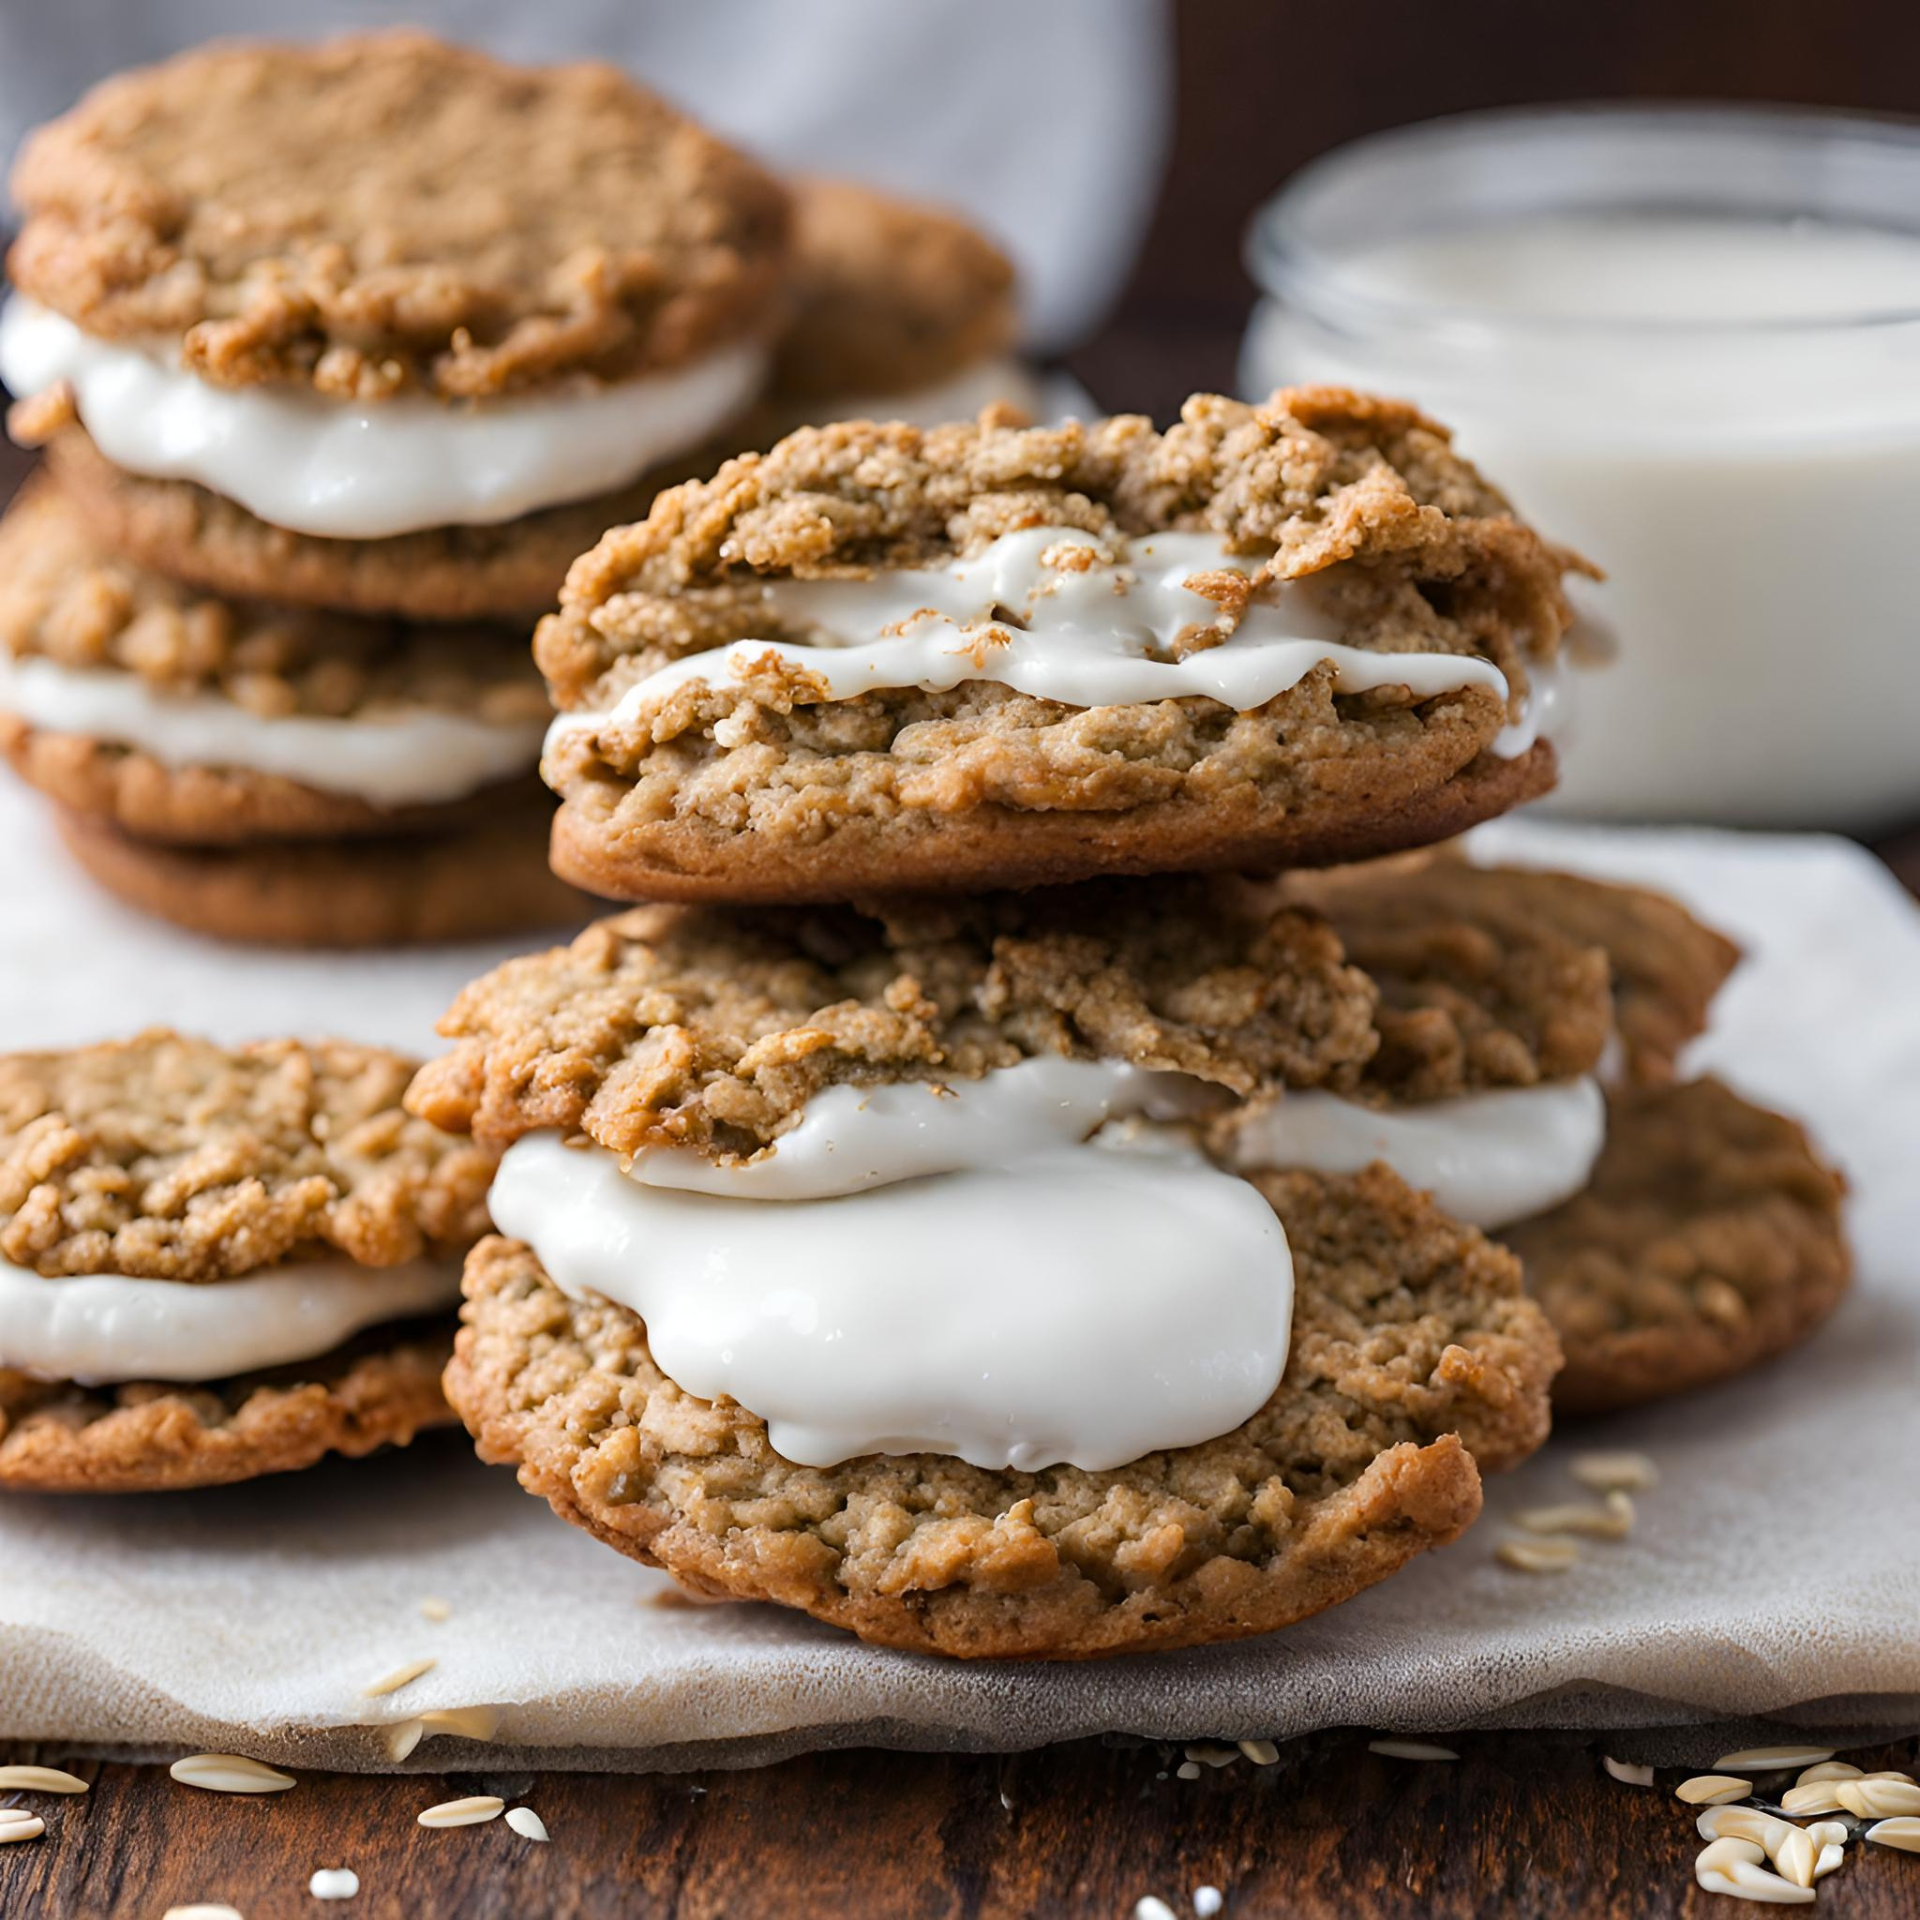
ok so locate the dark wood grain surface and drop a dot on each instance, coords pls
(1520, 1824)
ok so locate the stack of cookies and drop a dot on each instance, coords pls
(1003, 1196)
(338, 356)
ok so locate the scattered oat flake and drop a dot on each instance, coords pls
(1630, 1773)
(403, 1736)
(1747, 1881)
(1207, 1901)
(1729, 1852)
(1828, 1770)
(434, 1608)
(1547, 1554)
(1903, 1832)
(1831, 1855)
(1816, 1796)
(229, 1773)
(1872, 1799)
(1829, 1833)
(398, 1678)
(1186, 1770)
(1795, 1857)
(334, 1883)
(1603, 1472)
(527, 1824)
(1263, 1753)
(1713, 1789)
(1744, 1823)
(1613, 1521)
(27, 1827)
(39, 1780)
(1767, 1759)
(464, 1723)
(1411, 1750)
(469, 1812)
(1149, 1908)
(1209, 1754)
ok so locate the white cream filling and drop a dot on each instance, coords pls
(1088, 637)
(102, 1327)
(1487, 1158)
(403, 756)
(953, 1271)
(366, 472)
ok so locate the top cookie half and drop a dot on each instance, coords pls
(988, 655)
(386, 212)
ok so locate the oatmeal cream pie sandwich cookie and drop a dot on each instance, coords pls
(1675, 1233)
(220, 1262)
(867, 1261)
(381, 323)
(989, 655)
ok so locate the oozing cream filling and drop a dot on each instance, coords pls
(404, 756)
(1488, 1158)
(1096, 636)
(366, 472)
(952, 1270)
(98, 1328)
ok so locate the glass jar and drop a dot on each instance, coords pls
(1686, 341)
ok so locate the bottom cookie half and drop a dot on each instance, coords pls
(1708, 1240)
(488, 877)
(1416, 1361)
(379, 1390)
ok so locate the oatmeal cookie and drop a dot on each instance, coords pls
(156, 1437)
(68, 601)
(1665, 966)
(1708, 1240)
(700, 1027)
(522, 226)
(765, 790)
(170, 1158)
(470, 881)
(1414, 1357)
(887, 295)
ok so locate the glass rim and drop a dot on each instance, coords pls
(1284, 263)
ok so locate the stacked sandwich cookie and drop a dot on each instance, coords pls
(218, 1262)
(870, 1234)
(339, 354)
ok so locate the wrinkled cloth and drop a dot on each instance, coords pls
(1772, 1576)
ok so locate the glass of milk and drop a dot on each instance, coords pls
(1686, 342)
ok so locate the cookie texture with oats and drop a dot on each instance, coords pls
(1664, 966)
(711, 1029)
(765, 790)
(69, 601)
(383, 213)
(1708, 1240)
(1414, 1357)
(510, 571)
(160, 1438)
(171, 1158)
(887, 295)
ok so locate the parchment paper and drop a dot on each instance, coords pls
(1775, 1572)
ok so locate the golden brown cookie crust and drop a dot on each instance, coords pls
(712, 1029)
(516, 226)
(166, 1157)
(489, 877)
(1709, 1239)
(508, 572)
(763, 790)
(1414, 1354)
(887, 295)
(1665, 965)
(160, 1438)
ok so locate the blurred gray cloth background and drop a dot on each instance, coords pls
(1046, 122)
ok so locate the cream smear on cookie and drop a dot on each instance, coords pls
(1487, 1158)
(1026, 614)
(349, 471)
(399, 756)
(97, 1328)
(1002, 1269)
